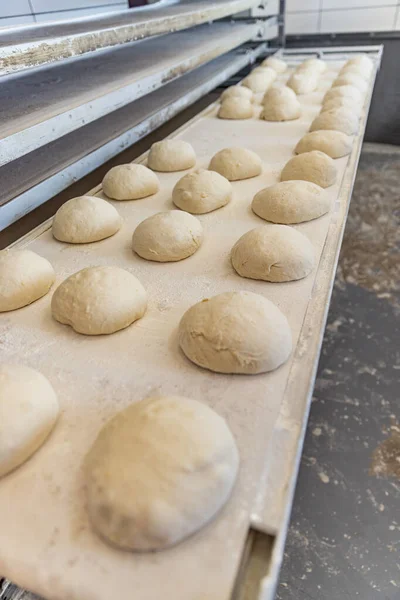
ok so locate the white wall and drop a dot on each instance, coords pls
(20, 12)
(341, 16)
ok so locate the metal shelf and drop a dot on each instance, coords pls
(43, 106)
(29, 46)
(38, 176)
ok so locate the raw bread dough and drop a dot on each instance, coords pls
(99, 300)
(237, 91)
(274, 253)
(344, 91)
(171, 155)
(362, 62)
(130, 182)
(260, 81)
(202, 191)
(236, 108)
(356, 70)
(338, 119)
(274, 63)
(280, 104)
(168, 236)
(28, 412)
(236, 332)
(303, 82)
(85, 219)
(236, 163)
(313, 166)
(24, 278)
(315, 64)
(342, 102)
(351, 79)
(158, 472)
(333, 143)
(291, 202)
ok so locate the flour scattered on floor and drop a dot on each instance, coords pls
(323, 477)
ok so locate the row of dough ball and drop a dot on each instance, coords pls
(196, 454)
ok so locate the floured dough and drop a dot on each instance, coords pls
(28, 412)
(99, 300)
(333, 143)
(259, 81)
(237, 91)
(338, 119)
(202, 191)
(24, 277)
(351, 79)
(356, 70)
(303, 82)
(158, 472)
(344, 91)
(171, 155)
(236, 163)
(274, 63)
(291, 202)
(168, 236)
(280, 104)
(313, 166)
(130, 182)
(274, 253)
(362, 62)
(236, 108)
(235, 332)
(85, 219)
(342, 102)
(314, 64)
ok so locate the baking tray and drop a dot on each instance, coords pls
(46, 543)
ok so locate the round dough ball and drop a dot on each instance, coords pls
(291, 202)
(28, 412)
(362, 61)
(280, 104)
(236, 108)
(85, 219)
(99, 300)
(342, 102)
(24, 278)
(235, 332)
(356, 70)
(274, 253)
(350, 79)
(313, 166)
(260, 81)
(201, 192)
(274, 63)
(236, 163)
(338, 119)
(314, 64)
(344, 91)
(333, 143)
(158, 472)
(130, 182)
(237, 91)
(303, 82)
(168, 236)
(171, 155)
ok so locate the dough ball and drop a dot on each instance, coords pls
(338, 119)
(280, 104)
(171, 155)
(237, 91)
(24, 278)
(342, 102)
(356, 70)
(274, 253)
(236, 332)
(158, 472)
(333, 143)
(235, 108)
(313, 166)
(99, 300)
(303, 82)
(259, 81)
(130, 182)
(201, 192)
(236, 163)
(168, 236)
(350, 79)
(274, 63)
(291, 202)
(344, 91)
(85, 219)
(315, 64)
(28, 412)
(362, 61)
